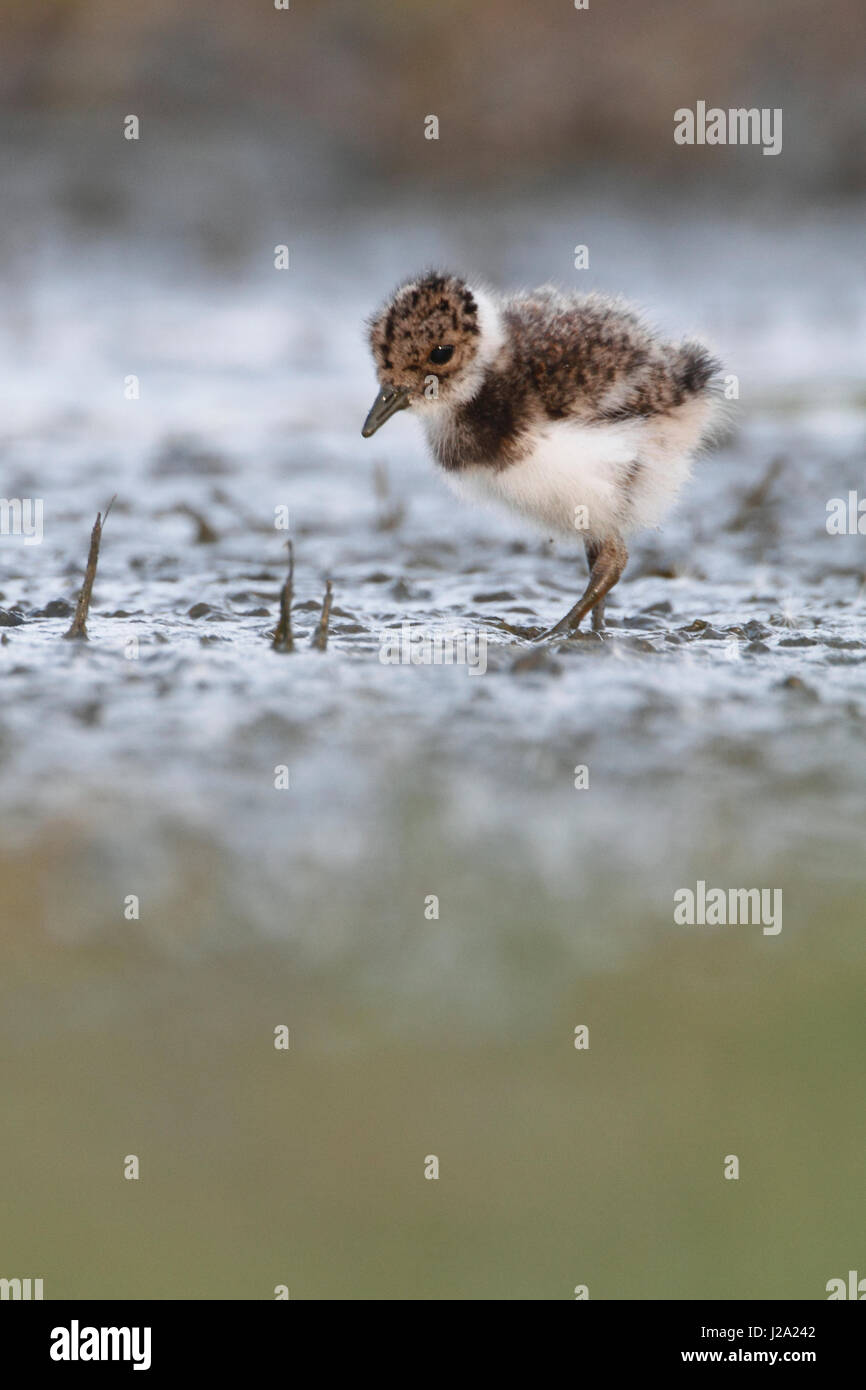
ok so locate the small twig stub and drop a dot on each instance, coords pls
(320, 636)
(78, 626)
(283, 640)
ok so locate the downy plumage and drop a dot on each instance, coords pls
(566, 408)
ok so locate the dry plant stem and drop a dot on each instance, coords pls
(757, 499)
(283, 640)
(320, 636)
(78, 626)
(205, 533)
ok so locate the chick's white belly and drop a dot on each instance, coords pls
(572, 480)
(590, 480)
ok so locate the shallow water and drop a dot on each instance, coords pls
(722, 721)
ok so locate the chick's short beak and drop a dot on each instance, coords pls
(389, 400)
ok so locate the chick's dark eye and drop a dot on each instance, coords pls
(441, 354)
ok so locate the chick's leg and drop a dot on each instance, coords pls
(607, 559)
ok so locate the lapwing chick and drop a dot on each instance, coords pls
(566, 408)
